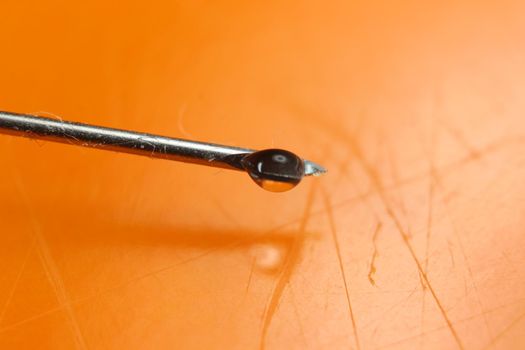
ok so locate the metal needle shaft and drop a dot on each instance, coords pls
(143, 144)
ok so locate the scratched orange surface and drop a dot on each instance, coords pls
(413, 240)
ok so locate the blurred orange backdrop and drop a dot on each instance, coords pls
(413, 240)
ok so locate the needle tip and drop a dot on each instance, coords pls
(313, 169)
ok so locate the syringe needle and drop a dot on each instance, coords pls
(273, 169)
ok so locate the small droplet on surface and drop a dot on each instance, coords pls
(267, 257)
(275, 170)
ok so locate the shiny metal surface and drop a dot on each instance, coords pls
(138, 143)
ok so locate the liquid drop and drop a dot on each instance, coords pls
(267, 257)
(275, 186)
(275, 170)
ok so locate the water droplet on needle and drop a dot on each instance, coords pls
(275, 170)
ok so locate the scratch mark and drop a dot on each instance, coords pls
(455, 231)
(508, 260)
(396, 178)
(242, 300)
(429, 222)
(451, 252)
(436, 329)
(297, 316)
(424, 275)
(343, 168)
(50, 267)
(57, 283)
(250, 277)
(120, 286)
(333, 229)
(286, 270)
(504, 331)
(32, 318)
(460, 138)
(359, 198)
(227, 215)
(448, 168)
(431, 154)
(17, 280)
(404, 236)
(430, 206)
(393, 307)
(372, 270)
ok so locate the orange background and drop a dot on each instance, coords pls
(414, 239)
